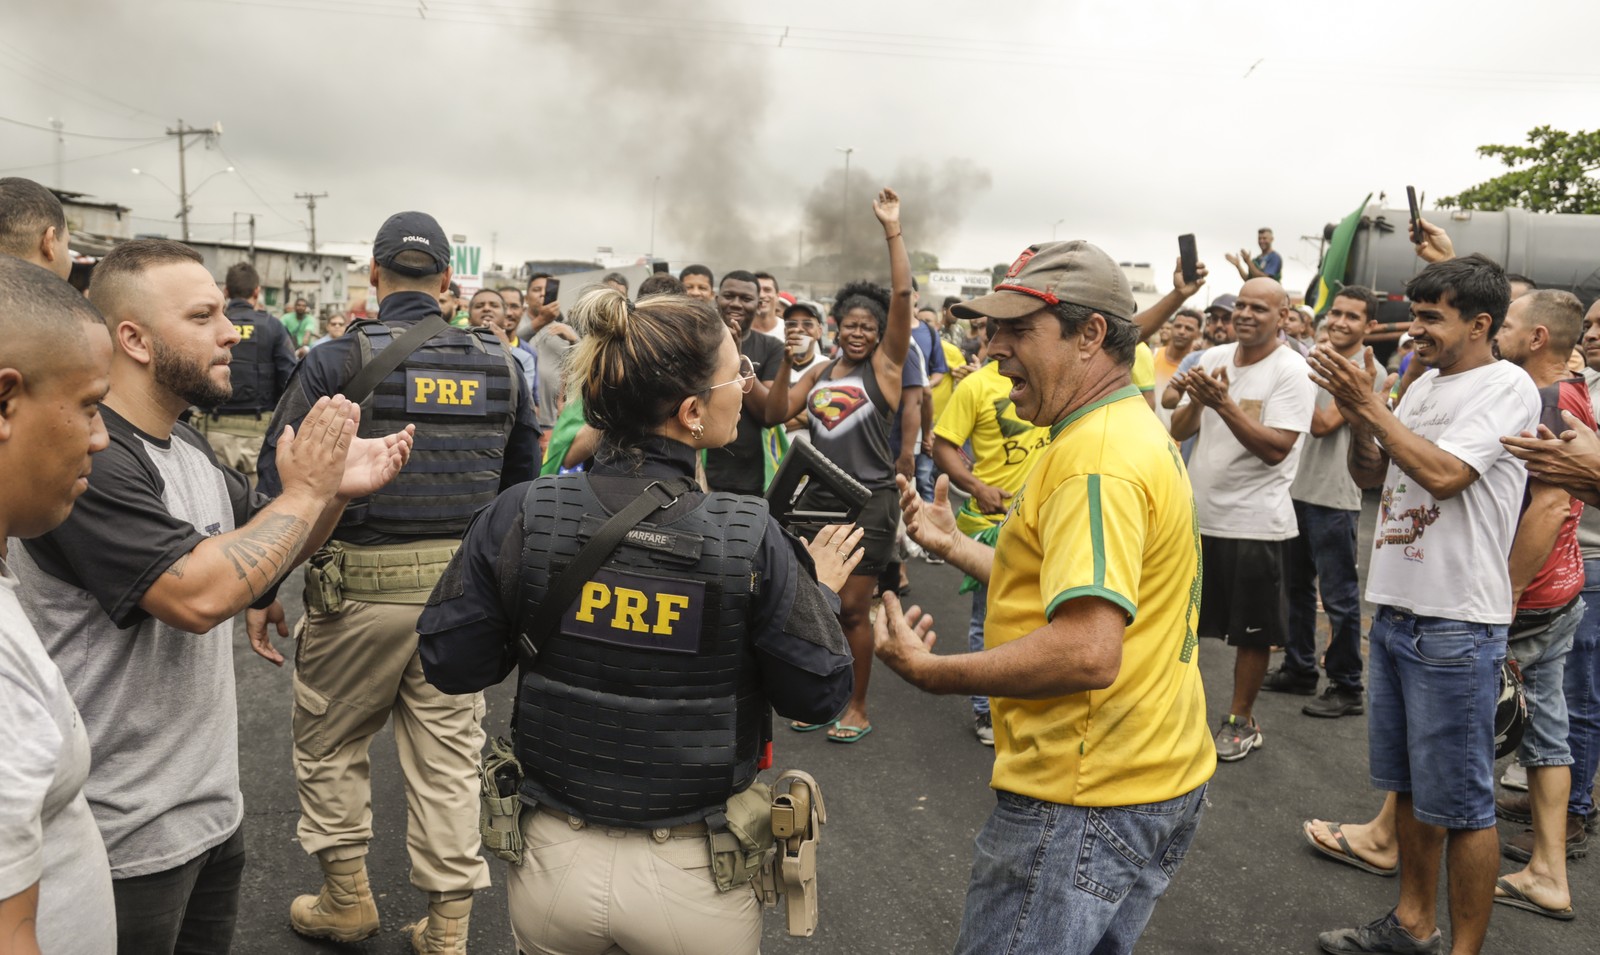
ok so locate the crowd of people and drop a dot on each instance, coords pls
(485, 486)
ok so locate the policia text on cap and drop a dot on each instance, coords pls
(640, 724)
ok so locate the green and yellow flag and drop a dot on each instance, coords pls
(1331, 278)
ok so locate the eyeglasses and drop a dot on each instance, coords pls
(746, 379)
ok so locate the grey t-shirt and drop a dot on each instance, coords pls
(47, 833)
(1324, 475)
(550, 357)
(157, 702)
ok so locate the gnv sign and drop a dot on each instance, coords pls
(468, 267)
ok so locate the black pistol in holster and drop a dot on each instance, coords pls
(797, 818)
(500, 802)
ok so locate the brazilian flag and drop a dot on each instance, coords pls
(567, 426)
(774, 445)
(1331, 279)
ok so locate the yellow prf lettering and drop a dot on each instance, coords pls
(447, 391)
(667, 607)
(468, 389)
(245, 331)
(425, 389)
(631, 606)
(595, 597)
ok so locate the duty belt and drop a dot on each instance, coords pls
(392, 573)
(687, 830)
(248, 424)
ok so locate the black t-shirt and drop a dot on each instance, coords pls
(736, 467)
(124, 532)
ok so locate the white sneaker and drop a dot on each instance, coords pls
(1515, 777)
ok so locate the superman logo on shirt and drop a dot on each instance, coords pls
(834, 404)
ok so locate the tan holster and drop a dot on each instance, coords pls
(798, 815)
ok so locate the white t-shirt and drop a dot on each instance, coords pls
(47, 832)
(1237, 494)
(1448, 558)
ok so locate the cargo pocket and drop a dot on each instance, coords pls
(309, 709)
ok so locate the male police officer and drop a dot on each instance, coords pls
(357, 659)
(262, 362)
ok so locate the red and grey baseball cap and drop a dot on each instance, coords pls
(405, 231)
(1053, 273)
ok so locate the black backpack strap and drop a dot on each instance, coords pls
(362, 382)
(658, 496)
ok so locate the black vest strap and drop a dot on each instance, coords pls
(361, 384)
(565, 589)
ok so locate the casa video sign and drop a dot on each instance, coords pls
(962, 283)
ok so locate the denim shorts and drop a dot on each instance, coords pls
(1432, 686)
(1051, 879)
(1543, 659)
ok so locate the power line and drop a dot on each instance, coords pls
(62, 132)
(112, 152)
(60, 81)
(238, 171)
(663, 28)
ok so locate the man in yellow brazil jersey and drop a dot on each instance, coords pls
(1090, 656)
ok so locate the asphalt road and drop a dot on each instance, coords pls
(904, 805)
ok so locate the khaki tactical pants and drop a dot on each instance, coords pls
(236, 439)
(593, 889)
(352, 669)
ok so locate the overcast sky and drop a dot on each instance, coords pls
(547, 123)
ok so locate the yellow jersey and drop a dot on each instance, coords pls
(1144, 368)
(947, 385)
(1107, 512)
(1004, 446)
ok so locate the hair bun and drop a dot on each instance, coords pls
(603, 312)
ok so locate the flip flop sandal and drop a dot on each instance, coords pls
(1344, 853)
(800, 727)
(856, 733)
(1517, 899)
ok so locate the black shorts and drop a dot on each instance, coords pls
(1242, 595)
(879, 520)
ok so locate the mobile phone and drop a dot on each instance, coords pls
(1416, 216)
(1190, 259)
(658, 266)
(1550, 416)
(552, 288)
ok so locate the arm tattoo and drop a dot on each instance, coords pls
(176, 570)
(260, 553)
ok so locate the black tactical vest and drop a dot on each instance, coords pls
(460, 391)
(645, 709)
(255, 385)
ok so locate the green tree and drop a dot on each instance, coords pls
(924, 261)
(1553, 173)
(998, 272)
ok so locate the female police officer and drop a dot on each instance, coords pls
(647, 706)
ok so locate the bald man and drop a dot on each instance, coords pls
(1249, 402)
(55, 355)
(135, 593)
(33, 226)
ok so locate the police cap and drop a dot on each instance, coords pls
(411, 230)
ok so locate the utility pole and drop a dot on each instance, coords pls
(494, 248)
(844, 210)
(311, 207)
(61, 148)
(183, 132)
(653, 185)
(252, 238)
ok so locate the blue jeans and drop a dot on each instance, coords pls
(1324, 555)
(1582, 684)
(926, 473)
(1072, 880)
(1542, 658)
(1432, 686)
(980, 612)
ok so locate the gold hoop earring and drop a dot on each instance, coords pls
(699, 431)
